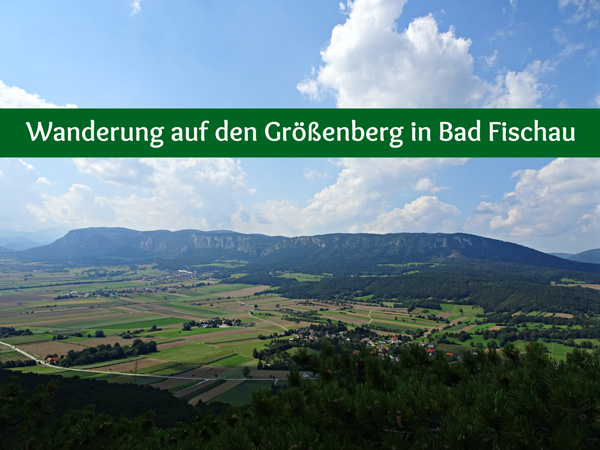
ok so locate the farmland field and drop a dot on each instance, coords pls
(207, 333)
(65, 316)
(242, 393)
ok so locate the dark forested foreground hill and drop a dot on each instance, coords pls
(337, 253)
(489, 400)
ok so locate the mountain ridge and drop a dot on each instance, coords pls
(589, 256)
(319, 251)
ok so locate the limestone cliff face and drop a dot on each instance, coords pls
(303, 252)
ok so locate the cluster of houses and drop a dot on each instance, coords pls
(311, 335)
(380, 346)
(430, 348)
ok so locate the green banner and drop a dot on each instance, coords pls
(299, 132)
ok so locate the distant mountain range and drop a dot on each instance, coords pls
(11, 240)
(349, 253)
(589, 256)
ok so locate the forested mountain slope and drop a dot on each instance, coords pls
(340, 253)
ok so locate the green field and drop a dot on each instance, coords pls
(17, 340)
(162, 298)
(242, 393)
(144, 324)
(194, 354)
(303, 276)
(231, 361)
(218, 288)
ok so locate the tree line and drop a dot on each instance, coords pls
(106, 352)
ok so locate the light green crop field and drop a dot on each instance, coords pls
(179, 333)
(218, 288)
(109, 363)
(18, 340)
(145, 324)
(246, 348)
(167, 368)
(102, 323)
(232, 361)
(303, 276)
(204, 311)
(10, 355)
(193, 353)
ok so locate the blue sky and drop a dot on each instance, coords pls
(311, 54)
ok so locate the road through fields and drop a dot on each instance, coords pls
(170, 377)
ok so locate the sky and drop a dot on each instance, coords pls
(310, 54)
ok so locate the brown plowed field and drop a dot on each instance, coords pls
(198, 372)
(112, 340)
(58, 318)
(203, 372)
(169, 383)
(128, 309)
(241, 292)
(170, 345)
(190, 390)
(215, 336)
(563, 315)
(130, 365)
(214, 393)
(444, 315)
(41, 349)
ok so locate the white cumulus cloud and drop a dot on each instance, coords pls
(78, 207)
(20, 185)
(15, 97)
(364, 188)
(557, 204)
(427, 185)
(426, 213)
(153, 193)
(518, 89)
(370, 63)
(119, 171)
